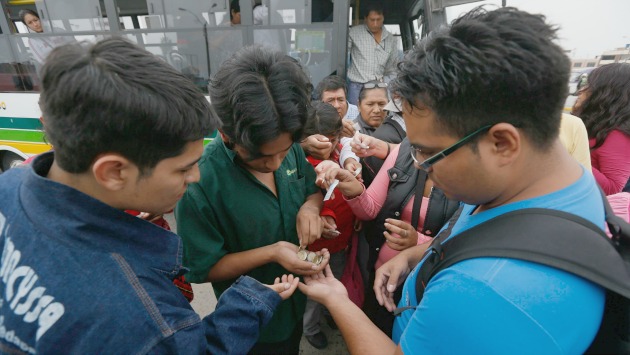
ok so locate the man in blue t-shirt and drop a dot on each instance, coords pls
(482, 102)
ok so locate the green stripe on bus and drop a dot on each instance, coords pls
(20, 123)
(22, 136)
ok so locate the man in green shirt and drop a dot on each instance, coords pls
(257, 198)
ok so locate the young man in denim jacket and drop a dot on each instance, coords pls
(78, 274)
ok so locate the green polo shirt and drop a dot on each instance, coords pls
(230, 211)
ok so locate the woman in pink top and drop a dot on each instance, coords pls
(398, 193)
(604, 106)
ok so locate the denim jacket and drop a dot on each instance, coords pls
(78, 276)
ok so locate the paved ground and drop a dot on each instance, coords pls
(205, 301)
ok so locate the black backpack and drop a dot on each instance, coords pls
(560, 240)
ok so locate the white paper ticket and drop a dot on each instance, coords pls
(330, 190)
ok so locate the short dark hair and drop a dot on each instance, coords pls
(325, 120)
(490, 67)
(25, 12)
(114, 96)
(607, 107)
(372, 6)
(331, 83)
(258, 94)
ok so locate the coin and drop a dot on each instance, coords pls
(301, 254)
(311, 256)
(318, 259)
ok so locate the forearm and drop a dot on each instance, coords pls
(314, 202)
(234, 265)
(360, 334)
(414, 254)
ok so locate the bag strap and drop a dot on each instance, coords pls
(550, 237)
(421, 181)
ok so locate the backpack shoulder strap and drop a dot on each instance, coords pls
(550, 237)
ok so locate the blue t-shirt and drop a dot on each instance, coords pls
(498, 305)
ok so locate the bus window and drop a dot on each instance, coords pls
(289, 11)
(71, 15)
(395, 30)
(169, 14)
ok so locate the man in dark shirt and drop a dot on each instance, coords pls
(257, 199)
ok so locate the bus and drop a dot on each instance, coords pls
(194, 36)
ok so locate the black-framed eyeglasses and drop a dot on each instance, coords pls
(372, 85)
(428, 163)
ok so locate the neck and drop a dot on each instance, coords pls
(542, 174)
(83, 182)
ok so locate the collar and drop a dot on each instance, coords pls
(230, 153)
(81, 221)
(364, 126)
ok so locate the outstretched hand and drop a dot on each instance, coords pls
(285, 286)
(323, 287)
(285, 254)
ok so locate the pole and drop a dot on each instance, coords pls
(205, 39)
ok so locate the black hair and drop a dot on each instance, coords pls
(607, 106)
(490, 67)
(258, 94)
(364, 90)
(372, 6)
(331, 83)
(25, 12)
(235, 7)
(325, 120)
(114, 96)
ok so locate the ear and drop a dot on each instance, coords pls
(506, 143)
(224, 137)
(113, 171)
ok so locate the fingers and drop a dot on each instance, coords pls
(380, 287)
(317, 146)
(309, 226)
(329, 222)
(348, 128)
(395, 243)
(285, 286)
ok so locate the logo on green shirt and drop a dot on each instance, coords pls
(291, 172)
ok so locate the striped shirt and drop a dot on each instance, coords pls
(370, 60)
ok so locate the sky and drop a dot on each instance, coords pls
(587, 27)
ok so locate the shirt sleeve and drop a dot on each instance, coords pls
(346, 151)
(203, 244)
(241, 312)
(367, 205)
(613, 162)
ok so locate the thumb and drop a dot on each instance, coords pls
(392, 283)
(322, 138)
